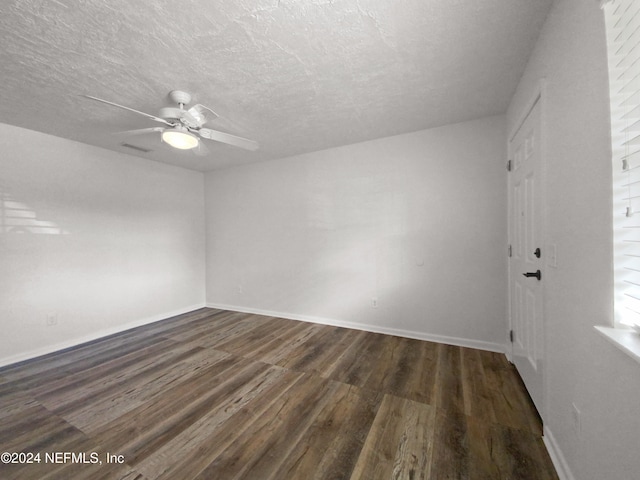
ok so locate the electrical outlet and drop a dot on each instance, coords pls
(52, 319)
(374, 302)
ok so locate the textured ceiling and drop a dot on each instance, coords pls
(294, 75)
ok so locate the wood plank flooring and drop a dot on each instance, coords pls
(224, 395)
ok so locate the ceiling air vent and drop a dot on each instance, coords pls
(135, 147)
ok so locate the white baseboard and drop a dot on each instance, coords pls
(562, 467)
(460, 342)
(94, 336)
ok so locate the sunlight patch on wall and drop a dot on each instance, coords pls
(17, 217)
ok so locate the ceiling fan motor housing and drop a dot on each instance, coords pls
(170, 113)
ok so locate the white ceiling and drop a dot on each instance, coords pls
(294, 75)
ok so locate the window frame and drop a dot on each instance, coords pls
(622, 22)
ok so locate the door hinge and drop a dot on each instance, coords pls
(509, 166)
(511, 335)
(510, 251)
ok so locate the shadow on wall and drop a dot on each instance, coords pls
(17, 217)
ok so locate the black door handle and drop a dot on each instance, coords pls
(537, 274)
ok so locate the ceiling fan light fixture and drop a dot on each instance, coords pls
(179, 138)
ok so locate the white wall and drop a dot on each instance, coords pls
(417, 221)
(110, 241)
(582, 367)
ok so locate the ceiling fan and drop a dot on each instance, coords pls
(183, 128)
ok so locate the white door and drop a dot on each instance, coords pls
(526, 273)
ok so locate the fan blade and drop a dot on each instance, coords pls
(228, 139)
(201, 150)
(140, 131)
(202, 114)
(152, 117)
(189, 120)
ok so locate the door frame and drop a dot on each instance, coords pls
(539, 96)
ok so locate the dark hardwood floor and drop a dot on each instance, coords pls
(223, 395)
